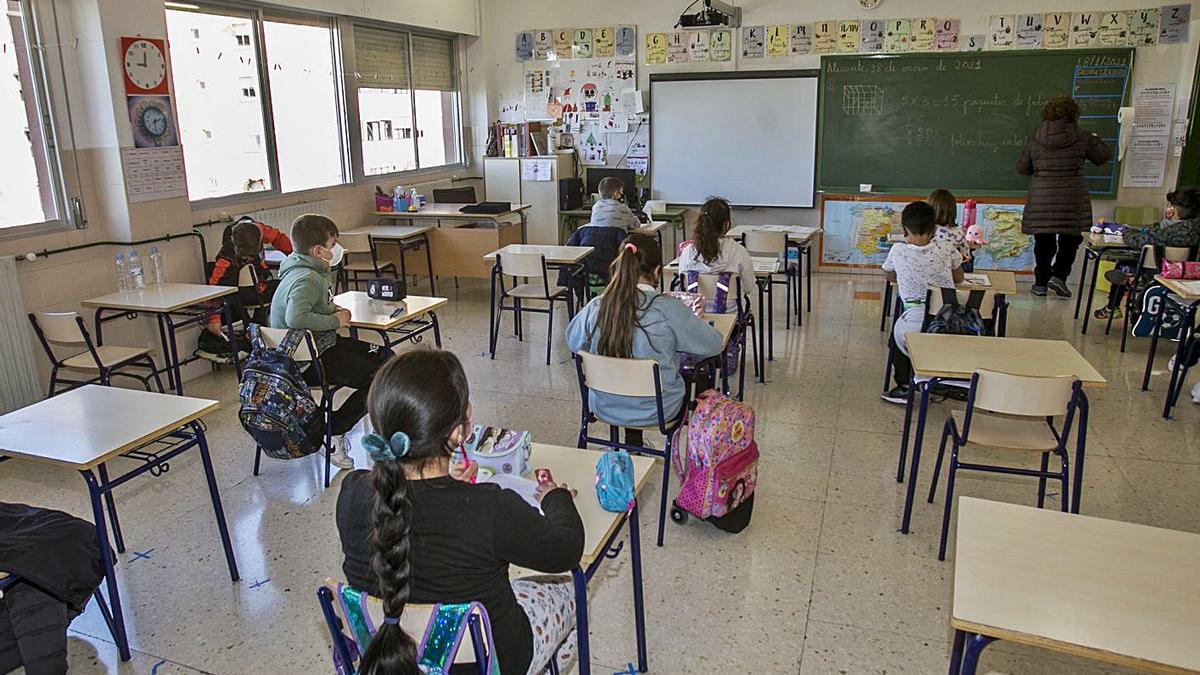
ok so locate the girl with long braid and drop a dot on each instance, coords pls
(415, 529)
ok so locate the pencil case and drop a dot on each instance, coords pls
(498, 450)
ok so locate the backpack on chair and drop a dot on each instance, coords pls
(719, 304)
(958, 319)
(277, 407)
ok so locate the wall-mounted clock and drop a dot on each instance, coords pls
(151, 120)
(868, 4)
(144, 62)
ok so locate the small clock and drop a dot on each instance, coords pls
(152, 124)
(145, 66)
(868, 4)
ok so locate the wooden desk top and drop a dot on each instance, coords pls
(1116, 592)
(1000, 281)
(451, 212)
(763, 266)
(653, 227)
(724, 323)
(671, 213)
(90, 425)
(377, 314)
(555, 255)
(1094, 240)
(958, 356)
(398, 232)
(169, 297)
(796, 234)
(577, 468)
(1188, 289)
(273, 257)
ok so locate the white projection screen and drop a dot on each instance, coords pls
(749, 137)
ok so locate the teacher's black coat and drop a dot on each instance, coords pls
(1058, 201)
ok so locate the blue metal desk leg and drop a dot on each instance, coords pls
(808, 265)
(956, 652)
(1186, 335)
(437, 330)
(110, 575)
(915, 463)
(771, 322)
(908, 408)
(492, 317)
(227, 314)
(1153, 346)
(974, 648)
(1080, 446)
(761, 320)
(639, 602)
(581, 621)
(883, 309)
(118, 540)
(428, 264)
(172, 355)
(1087, 313)
(166, 352)
(1087, 256)
(213, 492)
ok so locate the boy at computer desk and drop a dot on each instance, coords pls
(611, 210)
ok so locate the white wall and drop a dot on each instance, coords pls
(502, 19)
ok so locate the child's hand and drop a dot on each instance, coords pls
(544, 488)
(464, 471)
(343, 316)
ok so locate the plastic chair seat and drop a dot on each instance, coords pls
(339, 396)
(535, 291)
(1009, 432)
(109, 356)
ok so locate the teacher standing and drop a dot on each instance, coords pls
(1059, 208)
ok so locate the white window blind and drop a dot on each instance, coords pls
(433, 63)
(380, 58)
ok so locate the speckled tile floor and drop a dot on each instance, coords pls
(821, 582)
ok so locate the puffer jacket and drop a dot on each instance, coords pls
(1058, 201)
(1182, 233)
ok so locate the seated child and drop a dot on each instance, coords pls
(631, 320)
(605, 241)
(611, 210)
(242, 245)
(945, 209)
(302, 300)
(416, 529)
(916, 265)
(1180, 227)
(711, 252)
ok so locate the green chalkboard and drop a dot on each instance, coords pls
(913, 122)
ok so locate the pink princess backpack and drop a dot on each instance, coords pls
(719, 469)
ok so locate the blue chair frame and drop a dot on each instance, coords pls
(959, 439)
(105, 374)
(498, 308)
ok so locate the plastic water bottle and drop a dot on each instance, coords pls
(122, 273)
(413, 200)
(157, 274)
(137, 277)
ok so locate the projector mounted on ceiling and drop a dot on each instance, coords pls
(714, 14)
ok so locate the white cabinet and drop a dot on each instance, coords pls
(503, 183)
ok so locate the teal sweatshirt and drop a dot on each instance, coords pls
(303, 300)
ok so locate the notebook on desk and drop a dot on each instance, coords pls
(981, 280)
(1192, 287)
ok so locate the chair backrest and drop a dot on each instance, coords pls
(356, 242)
(522, 264)
(414, 621)
(765, 243)
(1150, 255)
(247, 278)
(707, 286)
(1023, 395)
(60, 328)
(934, 301)
(621, 377)
(458, 195)
(272, 337)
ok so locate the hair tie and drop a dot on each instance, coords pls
(382, 450)
(391, 620)
(630, 247)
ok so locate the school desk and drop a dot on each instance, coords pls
(1000, 283)
(405, 238)
(85, 428)
(1184, 296)
(577, 468)
(176, 307)
(800, 238)
(1095, 247)
(395, 322)
(568, 257)
(939, 357)
(456, 247)
(674, 215)
(1114, 592)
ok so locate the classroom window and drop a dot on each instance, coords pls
(405, 82)
(288, 134)
(32, 191)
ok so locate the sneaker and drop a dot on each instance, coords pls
(896, 394)
(341, 455)
(1059, 287)
(1102, 313)
(1038, 290)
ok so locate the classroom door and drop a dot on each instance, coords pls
(1189, 163)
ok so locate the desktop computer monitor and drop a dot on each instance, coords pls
(626, 176)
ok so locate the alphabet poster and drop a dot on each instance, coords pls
(1143, 27)
(824, 37)
(1084, 29)
(946, 39)
(777, 41)
(800, 42)
(1029, 31)
(602, 42)
(752, 42)
(921, 33)
(720, 45)
(896, 38)
(524, 45)
(871, 35)
(543, 44)
(626, 41)
(699, 45)
(1056, 30)
(1000, 32)
(974, 43)
(1173, 24)
(1114, 29)
(677, 47)
(581, 44)
(848, 40)
(563, 44)
(656, 48)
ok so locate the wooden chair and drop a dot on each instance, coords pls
(526, 266)
(766, 244)
(328, 397)
(352, 617)
(105, 361)
(1147, 266)
(361, 260)
(1011, 412)
(627, 377)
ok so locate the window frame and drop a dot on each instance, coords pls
(350, 88)
(67, 202)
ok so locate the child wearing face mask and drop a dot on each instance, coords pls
(303, 301)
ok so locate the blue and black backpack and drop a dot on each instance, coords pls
(277, 408)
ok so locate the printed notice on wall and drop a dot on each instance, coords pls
(153, 173)
(1153, 105)
(1145, 162)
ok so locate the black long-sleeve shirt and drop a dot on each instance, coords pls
(464, 537)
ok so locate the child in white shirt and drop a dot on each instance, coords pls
(918, 264)
(711, 252)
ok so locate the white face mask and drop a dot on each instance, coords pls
(335, 255)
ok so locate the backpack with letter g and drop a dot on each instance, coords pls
(957, 319)
(277, 408)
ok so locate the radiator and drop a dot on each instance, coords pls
(281, 217)
(19, 384)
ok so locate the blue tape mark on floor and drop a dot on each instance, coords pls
(154, 669)
(631, 670)
(140, 556)
(258, 583)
